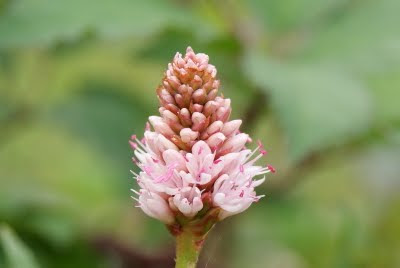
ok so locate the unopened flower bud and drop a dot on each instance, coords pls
(188, 135)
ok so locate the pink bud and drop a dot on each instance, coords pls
(174, 82)
(197, 108)
(196, 82)
(160, 126)
(215, 127)
(169, 116)
(216, 139)
(199, 96)
(212, 94)
(180, 100)
(231, 127)
(198, 120)
(188, 135)
(234, 144)
(165, 97)
(209, 108)
(184, 116)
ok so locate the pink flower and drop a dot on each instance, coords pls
(155, 206)
(187, 200)
(195, 159)
(200, 164)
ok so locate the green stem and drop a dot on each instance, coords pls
(188, 247)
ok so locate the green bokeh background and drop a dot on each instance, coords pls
(318, 81)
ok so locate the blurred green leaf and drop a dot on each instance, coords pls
(43, 21)
(385, 90)
(367, 38)
(103, 119)
(60, 176)
(317, 107)
(277, 16)
(16, 253)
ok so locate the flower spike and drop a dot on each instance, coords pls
(195, 168)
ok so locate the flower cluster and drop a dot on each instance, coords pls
(194, 159)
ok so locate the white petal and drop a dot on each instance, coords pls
(204, 178)
(184, 206)
(197, 204)
(258, 182)
(219, 199)
(200, 149)
(164, 144)
(219, 181)
(174, 157)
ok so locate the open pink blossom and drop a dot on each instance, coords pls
(187, 201)
(201, 165)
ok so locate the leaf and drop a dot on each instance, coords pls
(41, 22)
(317, 107)
(385, 89)
(69, 169)
(104, 119)
(16, 253)
(283, 16)
(367, 39)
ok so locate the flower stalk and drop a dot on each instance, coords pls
(188, 247)
(190, 237)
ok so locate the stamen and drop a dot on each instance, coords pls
(141, 144)
(217, 161)
(259, 143)
(271, 168)
(140, 150)
(136, 192)
(134, 146)
(263, 152)
(241, 168)
(254, 160)
(251, 154)
(241, 193)
(134, 160)
(261, 147)
(134, 173)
